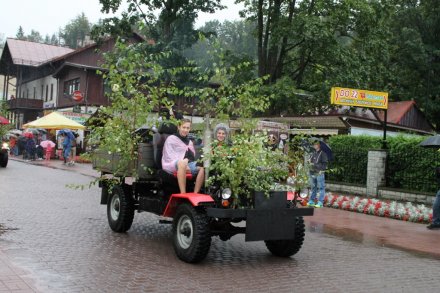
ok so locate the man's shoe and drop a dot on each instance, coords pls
(311, 203)
(433, 226)
(319, 205)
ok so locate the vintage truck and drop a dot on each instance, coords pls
(272, 217)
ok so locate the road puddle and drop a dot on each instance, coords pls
(357, 236)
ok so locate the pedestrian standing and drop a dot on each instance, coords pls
(318, 165)
(13, 145)
(30, 149)
(435, 224)
(73, 150)
(67, 145)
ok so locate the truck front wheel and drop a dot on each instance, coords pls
(191, 235)
(120, 210)
(289, 247)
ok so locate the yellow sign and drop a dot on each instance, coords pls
(359, 98)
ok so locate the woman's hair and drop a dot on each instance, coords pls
(183, 121)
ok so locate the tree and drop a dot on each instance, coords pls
(2, 43)
(54, 40)
(34, 36)
(306, 47)
(416, 57)
(75, 32)
(20, 33)
(236, 36)
(174, 21)
(238, 44)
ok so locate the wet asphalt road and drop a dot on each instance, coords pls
(59, 240)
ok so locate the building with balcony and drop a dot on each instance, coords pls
(30, 65)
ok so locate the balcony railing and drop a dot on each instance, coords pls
(21, 103)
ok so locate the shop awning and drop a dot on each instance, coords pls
(54, 120)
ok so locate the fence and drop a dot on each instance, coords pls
(414, 170)
(411, 171)
(349, 166)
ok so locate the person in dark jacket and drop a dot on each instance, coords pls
(318, 165)
(30, 149)
(435, 224)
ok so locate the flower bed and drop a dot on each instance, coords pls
(388, 209)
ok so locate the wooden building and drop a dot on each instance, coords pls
(30, 65)
(54, 78)
(403, 117)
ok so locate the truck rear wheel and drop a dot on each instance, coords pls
(289, 247)
(191, 235)
(120, 210)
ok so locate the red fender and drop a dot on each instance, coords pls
(194, 198)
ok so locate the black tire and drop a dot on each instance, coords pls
(191, 234)
(120, 210)
(3, 160)
(286, 248)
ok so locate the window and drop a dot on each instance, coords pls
(47, 92)
(35, 92)
(51, 91)
(27, 93)
(42, 91)
(70, 86)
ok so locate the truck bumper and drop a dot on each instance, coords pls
(264, 224)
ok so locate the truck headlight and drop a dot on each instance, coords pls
(226, 193)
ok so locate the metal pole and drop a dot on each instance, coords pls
(207, 145)
(384, 142)
(86, 91)
(4, 89)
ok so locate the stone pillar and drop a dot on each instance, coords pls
(376, 171)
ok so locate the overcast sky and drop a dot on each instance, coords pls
(47, 16)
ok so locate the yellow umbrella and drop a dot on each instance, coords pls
(54, 120)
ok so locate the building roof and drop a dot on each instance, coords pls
(32, 53)
(400, 115)
(311, 121)
(94, 45)
(76, 65)
(396, 111)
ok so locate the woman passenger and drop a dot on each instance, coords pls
(179, 156)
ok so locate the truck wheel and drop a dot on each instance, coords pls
(286, 248)
(120, 210)
(3, 160)
(191, 235)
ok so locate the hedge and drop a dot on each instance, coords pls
(409, 166)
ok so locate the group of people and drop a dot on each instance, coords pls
(179, 158)
(179, 154)
(41, 146)
(27, 145)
